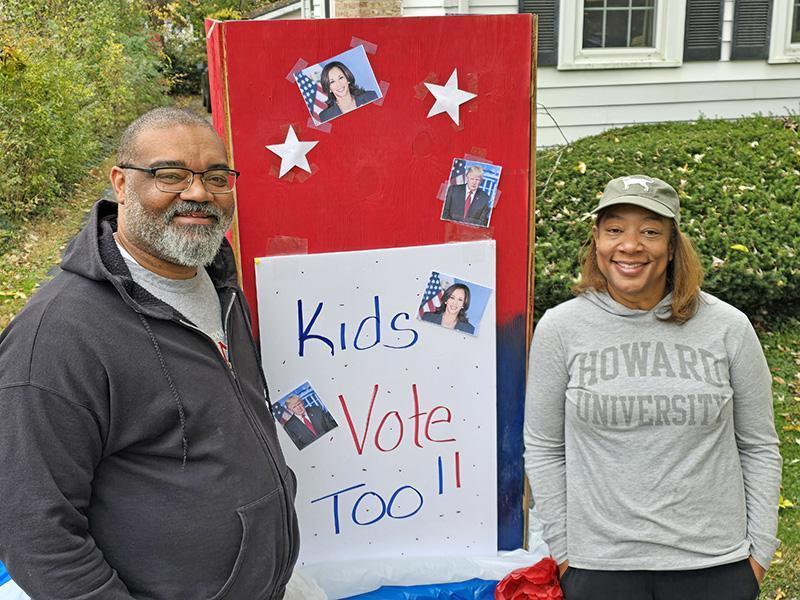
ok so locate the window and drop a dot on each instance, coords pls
(618, 23)
(784, 41)
(613, 34)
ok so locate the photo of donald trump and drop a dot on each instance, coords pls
(470, 202)
(304, 417)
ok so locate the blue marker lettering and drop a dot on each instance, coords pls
(416, 335)
(358, 502)
(377, 317)
(335, 496)
(303, 333)
(392, 499)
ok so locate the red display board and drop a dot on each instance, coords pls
(378, 174)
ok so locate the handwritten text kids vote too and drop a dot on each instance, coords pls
(384, 431)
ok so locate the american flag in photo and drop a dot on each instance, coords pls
(281, 414)
(458, 176)
(432, 298)
(315, 98)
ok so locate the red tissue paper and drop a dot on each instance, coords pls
(537, 582)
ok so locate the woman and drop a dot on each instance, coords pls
(649, 434)
(344, 95)
(452, 312)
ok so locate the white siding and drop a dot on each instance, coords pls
(418, 8)
(727, 30)
(493, 7)
(315, 9)
(588, 102)
(429, 8)
(585, 102)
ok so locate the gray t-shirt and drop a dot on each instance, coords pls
(651, 445)
(194, 298)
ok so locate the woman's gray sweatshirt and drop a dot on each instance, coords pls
(651, 445)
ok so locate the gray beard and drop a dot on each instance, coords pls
(185, 245)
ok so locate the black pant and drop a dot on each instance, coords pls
(735, 581)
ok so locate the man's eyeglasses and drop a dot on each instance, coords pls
(176, 180)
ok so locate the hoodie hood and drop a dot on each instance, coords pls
(93, 254)
(605, 302)
(82, 255)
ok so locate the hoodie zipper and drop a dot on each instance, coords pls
(251, 417)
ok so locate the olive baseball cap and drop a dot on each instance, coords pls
(641, 190)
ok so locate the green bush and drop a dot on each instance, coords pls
(182, 23)
(71, 75)
(739, 184)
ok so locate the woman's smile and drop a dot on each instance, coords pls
(633, 252)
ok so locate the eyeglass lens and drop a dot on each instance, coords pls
(179, 180)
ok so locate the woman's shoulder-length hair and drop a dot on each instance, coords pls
(684, 274)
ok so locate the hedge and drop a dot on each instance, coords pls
(739, 185)
(71, 75)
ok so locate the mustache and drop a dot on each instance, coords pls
(187, 206)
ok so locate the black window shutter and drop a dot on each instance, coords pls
(703, 38)
(547, 12)
(751, 25)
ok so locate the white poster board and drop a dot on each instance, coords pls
(410, 467)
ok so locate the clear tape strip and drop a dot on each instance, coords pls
(369, 47)
(384, 87)
(298, 66)
(317, 126)
(461, 232)
(282, 245)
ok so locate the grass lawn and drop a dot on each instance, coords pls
(37, 245)
(781, 341)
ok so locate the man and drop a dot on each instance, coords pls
(467, 203)
(307, 423)
(140, 457)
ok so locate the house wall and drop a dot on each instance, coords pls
(425, 8)
(291, 13)
(430, 8)
(284, 10)
(727, 30)
(492, 7)
(368, 8)
(587, 102)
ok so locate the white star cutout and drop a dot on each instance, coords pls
(292, 152)
(448, 97)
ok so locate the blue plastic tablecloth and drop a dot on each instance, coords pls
(473, 589)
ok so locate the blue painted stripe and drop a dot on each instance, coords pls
(511, 361)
